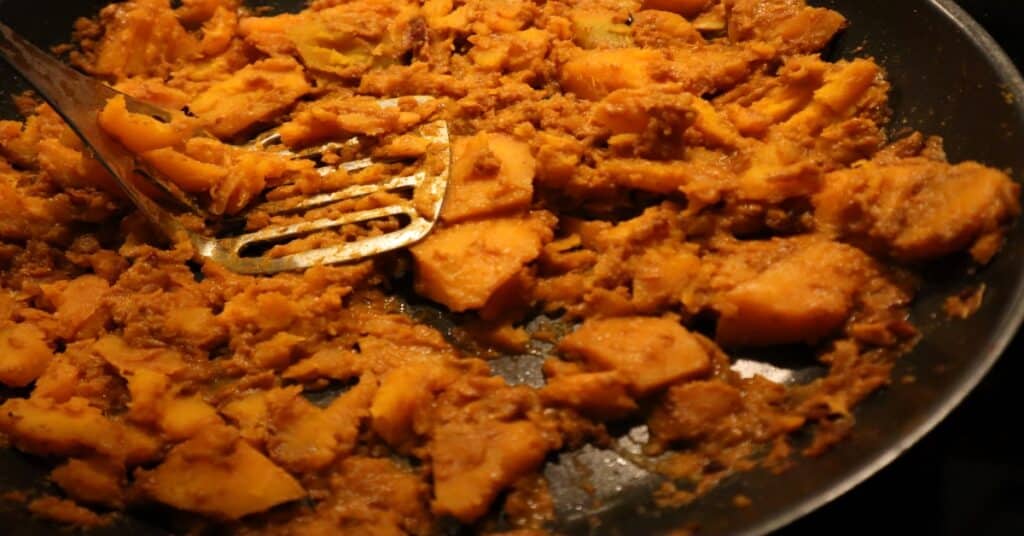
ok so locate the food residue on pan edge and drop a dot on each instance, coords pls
(686, 179)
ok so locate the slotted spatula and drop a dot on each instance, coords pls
(79, 98)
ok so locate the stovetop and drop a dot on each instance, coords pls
(967, 475)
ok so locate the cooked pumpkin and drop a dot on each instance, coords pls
(673, 181)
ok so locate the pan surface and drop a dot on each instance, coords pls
(949, 78)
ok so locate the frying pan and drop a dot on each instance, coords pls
(949, 78)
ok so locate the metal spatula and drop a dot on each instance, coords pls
(79, 98)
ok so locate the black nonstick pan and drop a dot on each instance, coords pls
(949, 78)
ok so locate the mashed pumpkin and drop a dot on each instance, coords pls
(677, 178)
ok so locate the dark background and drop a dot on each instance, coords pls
(966, 476)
